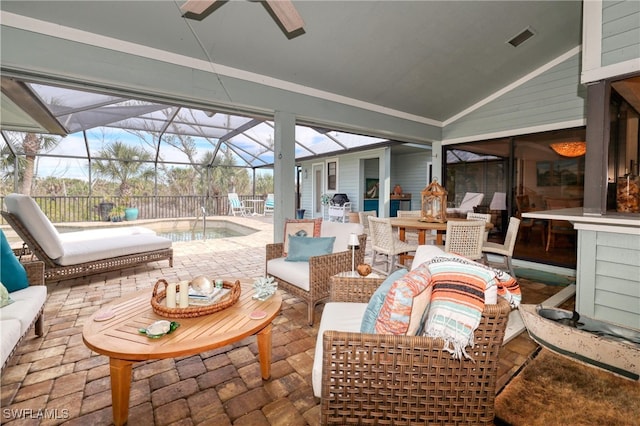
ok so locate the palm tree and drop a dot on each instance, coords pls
(32, 145)
(124, 164)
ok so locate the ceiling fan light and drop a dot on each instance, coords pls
(569, 149)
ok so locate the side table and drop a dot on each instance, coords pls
(359, 289)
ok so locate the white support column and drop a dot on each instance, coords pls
(283, 171)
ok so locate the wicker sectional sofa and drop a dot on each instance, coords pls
(26, 311)
(82, 253)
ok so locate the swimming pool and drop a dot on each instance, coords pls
(181, 230)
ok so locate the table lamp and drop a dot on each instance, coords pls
(354, 243)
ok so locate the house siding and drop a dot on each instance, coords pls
(620, 31)
(410, 172)
(555, 96)
(608, 277)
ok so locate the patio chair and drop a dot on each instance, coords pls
(470, 200)
(236, 206)
(82, 253)
(506, 249)
(269, 205)
(486, 217)
(465, 238)
(400, 379)
(387, 243)
(412, 236)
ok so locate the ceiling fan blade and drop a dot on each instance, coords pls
(200, 9)
(285, 14)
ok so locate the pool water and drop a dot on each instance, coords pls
(199, 234)
(184, 230)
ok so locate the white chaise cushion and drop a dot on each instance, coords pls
(10, 329)
(40, 227)
(296, 273)
(340, 316)
(25, 307)
(95, 234)
(428, 251)
(341, 231)
(82, 251)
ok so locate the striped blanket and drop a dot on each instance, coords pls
(457, 299)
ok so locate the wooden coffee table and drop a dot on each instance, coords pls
(120, 340)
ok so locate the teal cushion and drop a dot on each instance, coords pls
(302, 248)
(12, 273)
(377, 300)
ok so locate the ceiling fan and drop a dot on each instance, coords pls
(282, 11)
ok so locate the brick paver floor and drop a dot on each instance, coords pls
(57, 380)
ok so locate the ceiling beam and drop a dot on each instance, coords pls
(27, 101)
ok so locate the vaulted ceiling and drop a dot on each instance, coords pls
(430, 59)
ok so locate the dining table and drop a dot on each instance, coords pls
(422, 226)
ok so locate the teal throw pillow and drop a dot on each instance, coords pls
(377, 300)
(12, 273)
(302, 248)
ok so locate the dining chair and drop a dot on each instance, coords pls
(505, 249)
(385, 242)
(412, 236)
(486, 217)
(236, 206)
(523, 206)
(465, 237)
(364, 220)
(560, 227)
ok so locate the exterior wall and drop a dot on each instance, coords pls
(554, 99)
(609, 276)
(610, 39)
(620, 31)
(410, 172)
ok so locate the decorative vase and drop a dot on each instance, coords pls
(131, 213)
(397, 190)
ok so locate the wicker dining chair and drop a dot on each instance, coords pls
(412, 236)
(506, 249)
(408, 380)
(465, 237)
(387, 243)
(481, 216)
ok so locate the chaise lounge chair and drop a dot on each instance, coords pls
(82, 253)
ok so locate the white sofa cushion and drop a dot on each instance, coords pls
(338, 316)
(10, 336)
(81, 251)
(25, 307)
(296, 273)
(426, 252)
(341, 231)
(94, 234)
(40, 227)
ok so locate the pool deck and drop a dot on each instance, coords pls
(222, 387)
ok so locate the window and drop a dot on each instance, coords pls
(332, 176)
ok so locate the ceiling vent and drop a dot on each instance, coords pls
(525, 35)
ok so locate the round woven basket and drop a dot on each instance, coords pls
(192, 311)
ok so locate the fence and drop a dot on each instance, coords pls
(60, 209)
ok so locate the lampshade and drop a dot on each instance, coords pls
(569, 149)
(353, 240)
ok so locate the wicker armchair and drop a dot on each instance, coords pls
(321, 269)
(402, 380)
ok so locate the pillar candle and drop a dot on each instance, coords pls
(184, 294)
(171, 295)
